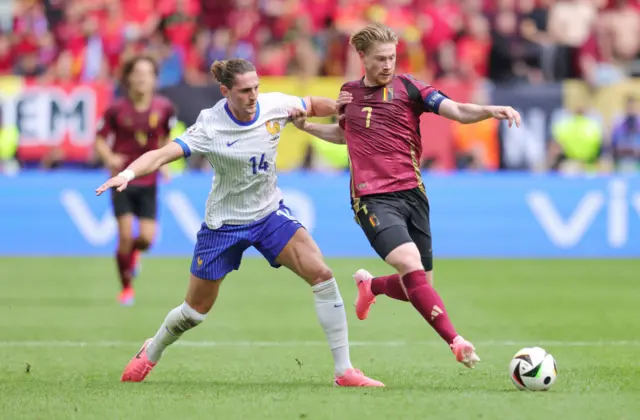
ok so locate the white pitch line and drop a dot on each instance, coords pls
(185, 343)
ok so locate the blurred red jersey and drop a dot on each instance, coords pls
(382, 128)
(134, 133)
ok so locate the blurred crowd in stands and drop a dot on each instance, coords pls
(502, 40)
(497, 41)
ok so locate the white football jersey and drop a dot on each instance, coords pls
(243, 158)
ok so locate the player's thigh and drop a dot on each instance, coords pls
(384, 223)
(283, 241)
(218, 252)
(202, 294)
(302, 256)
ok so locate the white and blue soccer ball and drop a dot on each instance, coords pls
(533, 369)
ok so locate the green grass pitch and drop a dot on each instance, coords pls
(261, 354)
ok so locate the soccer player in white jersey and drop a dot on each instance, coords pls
(238, 136)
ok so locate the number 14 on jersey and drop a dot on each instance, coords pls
(263, 165)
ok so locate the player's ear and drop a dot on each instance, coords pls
(361, 55)
(224, 90)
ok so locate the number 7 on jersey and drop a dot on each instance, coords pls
(368, 110)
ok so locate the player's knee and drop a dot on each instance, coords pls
(405, 259)
(143, 243)
(319, 274)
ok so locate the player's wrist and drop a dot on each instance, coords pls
(127, 174)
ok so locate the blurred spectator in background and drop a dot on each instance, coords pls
(505, 57)
(625, 139)
(570, 24)
(577, 143)
(474, 47)
(27, 60)
(178, 19)
(6, 56)
(196, 63)
(170, 58)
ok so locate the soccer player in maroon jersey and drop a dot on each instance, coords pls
(380, 123)
(134, 124)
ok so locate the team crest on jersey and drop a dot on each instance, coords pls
(199, 261)
(154, 118)
(273, 129)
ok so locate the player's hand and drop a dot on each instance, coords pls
(298, 118)
(505, 113)
(116, 162)
(344, 98)
(118, 182)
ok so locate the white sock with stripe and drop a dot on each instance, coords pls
(332, 317)
(179, 320)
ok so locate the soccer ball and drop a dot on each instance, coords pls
(533, 369)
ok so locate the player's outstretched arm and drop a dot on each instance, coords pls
(327, 132)
(472, 113)
(145, 164)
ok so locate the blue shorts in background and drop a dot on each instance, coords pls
(219, 251)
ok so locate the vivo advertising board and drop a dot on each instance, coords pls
(497, 215)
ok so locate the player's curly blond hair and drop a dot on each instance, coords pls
(225, 71)
(364, 39)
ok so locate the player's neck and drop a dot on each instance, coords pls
(140, 102)
(368, 83)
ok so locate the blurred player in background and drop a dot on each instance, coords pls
(239, 137)
(132, 125)
(380, 119)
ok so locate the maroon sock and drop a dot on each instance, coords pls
(426, 301)
(124, 263)
(390, 286)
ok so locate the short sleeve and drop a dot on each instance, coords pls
(106, 125)
(290, 102)
(424, 95)
(195, 140)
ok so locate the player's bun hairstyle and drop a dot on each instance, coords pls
(225, 71)
(370, 34)
(131, 63)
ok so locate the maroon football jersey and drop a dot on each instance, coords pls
(133, 133)
(382, 128)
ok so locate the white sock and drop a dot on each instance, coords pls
(332, 317)
(179, 320)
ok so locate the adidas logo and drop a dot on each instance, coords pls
(435, 312)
